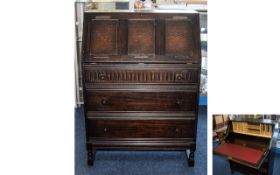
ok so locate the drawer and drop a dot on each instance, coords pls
(141, 128)
(141, 73)
(140, 100)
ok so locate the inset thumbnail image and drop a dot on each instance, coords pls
(246, 144)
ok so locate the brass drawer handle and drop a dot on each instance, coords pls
(104, 101)
(179, 77)
(179, 101)
(102, 76)
(105, 129)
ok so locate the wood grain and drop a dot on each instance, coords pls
(140, 101)
(141, 77)
(141, 128)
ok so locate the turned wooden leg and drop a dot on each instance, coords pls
(190, 156)
(90, 155)
(231, 167)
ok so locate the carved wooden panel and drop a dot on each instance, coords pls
(103, 37)
(141, 37)
(141, 128)
(179, 39)
(140, 101)
(141, 76)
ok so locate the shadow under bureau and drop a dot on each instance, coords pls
(141, 76)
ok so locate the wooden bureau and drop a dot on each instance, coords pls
(249, 146)
(141, 75)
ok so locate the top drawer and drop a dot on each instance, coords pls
(141, 73)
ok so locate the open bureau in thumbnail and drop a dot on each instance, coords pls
(248, 146)
(141, 73)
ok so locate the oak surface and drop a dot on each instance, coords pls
(141, 77)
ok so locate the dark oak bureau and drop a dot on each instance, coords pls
(249, 146)
(141, 73)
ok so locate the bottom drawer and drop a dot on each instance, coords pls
(183, 128)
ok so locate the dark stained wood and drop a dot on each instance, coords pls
(140, 101)
(141, 77)
(179, 37)
(148, 115)
(122, 37)
(103, 37)
(142, 143)
(134, 73)
(160, 40)
(150, 59)
(141, 128)
(141, 37)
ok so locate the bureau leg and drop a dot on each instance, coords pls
(190, 156)
(231, 167)
(90, 157)
(90, 154)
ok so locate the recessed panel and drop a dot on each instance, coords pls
(178, 37)
(103, 37)
(141, 37)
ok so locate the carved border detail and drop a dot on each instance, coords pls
(125, 76)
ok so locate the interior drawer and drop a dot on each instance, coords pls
(141, 73)
(129, 100)
(141, 128)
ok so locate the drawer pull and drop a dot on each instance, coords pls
(177, 130)
(179, 101)
(105, 129)
(104, 101)
(102, 76)
(179, 77)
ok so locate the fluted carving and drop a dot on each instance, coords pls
(186, 76)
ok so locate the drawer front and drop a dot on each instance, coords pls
(134, 73)
(141, 128)
(122, 100)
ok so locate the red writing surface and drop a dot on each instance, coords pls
(242, 153)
